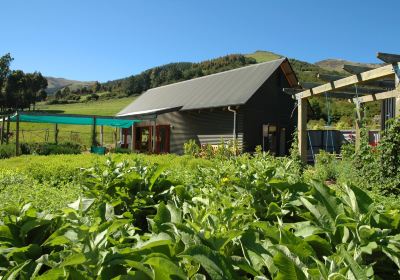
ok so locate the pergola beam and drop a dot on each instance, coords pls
(378, 96)
(387, 84)
(374, 74)
(388, 57)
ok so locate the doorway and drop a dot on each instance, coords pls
(143, 139)
(162, 139)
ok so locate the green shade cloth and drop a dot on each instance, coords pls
(78, 120)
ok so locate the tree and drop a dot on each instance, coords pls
(15, 89)
(96, 87)
(42, 95)
(5, 62)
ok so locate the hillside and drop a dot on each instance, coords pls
(337, 64)
(55, 84)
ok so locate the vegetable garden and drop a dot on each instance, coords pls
(171, 217)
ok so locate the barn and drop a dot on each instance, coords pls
(245, 104)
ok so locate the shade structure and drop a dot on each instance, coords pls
(74, 119)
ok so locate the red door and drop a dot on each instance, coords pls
(162, 139)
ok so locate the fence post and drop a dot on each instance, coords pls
(115, 138)
(94, 132)
(17, 136)
(56, 133)
(8, 130)
(101, 135)
(2, 130)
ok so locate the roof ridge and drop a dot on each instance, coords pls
(219, 73)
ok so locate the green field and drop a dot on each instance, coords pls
(32, 132)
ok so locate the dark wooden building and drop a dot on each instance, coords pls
(246, 104)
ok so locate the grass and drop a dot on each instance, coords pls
(263, 56)
(102, 107)
(35, 132)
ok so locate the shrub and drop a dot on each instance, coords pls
(50, 148)
(7, 151)
(191, 148)
(120, 150)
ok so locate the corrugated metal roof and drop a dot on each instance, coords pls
(233, 87)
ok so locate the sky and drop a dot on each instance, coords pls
(102, 40)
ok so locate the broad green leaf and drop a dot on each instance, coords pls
(327, 197)
(155, 241)
(74, 259)
(289, 265)
(53, 274)
(217, 267)
(364, 201)
(164, 268)
(320, 245)
(358, 272)
(255, 253)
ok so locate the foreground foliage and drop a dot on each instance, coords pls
(244, 218)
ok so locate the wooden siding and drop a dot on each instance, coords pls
(204, 126)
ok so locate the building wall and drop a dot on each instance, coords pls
(204, 126)
(269, 105)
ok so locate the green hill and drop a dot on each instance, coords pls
(55, 84)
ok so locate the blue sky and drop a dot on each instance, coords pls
(104, 40)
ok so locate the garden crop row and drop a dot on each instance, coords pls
(243, 218)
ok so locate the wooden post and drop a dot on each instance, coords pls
(101, 135)
(133, 137)
(56, 134)
(115, 138)
(2, 130)
(302, 128)
(17, 136)
(359, 118)
(8, 130)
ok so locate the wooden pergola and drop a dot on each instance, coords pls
(364, 85)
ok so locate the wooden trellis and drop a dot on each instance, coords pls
(364, 85)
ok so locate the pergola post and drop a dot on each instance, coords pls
(302, 128)
(358, 124)
(17, 136)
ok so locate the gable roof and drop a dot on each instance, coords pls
(233, 87)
